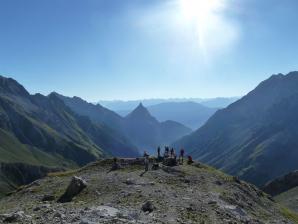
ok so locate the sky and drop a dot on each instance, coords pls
(137, 49)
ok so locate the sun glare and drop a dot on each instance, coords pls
(208, 23)
(199, 10)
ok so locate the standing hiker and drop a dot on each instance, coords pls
(158, 152)
(172, 152)
(146, 161)
(166, 154)
(181, 156)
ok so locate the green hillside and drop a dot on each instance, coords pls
(289, 199)
(40, 133)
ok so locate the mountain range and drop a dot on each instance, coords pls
(139, 127)
(190, 114)
(124, 107)
(255, 138)
(41, 131)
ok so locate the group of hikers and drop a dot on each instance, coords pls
(168, 153)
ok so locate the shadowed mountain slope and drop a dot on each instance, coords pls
(256, 137)
(42, 131)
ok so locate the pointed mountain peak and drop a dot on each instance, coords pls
(141, 106)
(140, 112)
(140, 109)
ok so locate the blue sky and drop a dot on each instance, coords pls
(135, 49)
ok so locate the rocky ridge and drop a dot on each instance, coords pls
(182, 194)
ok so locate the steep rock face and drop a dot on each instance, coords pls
(182, 194)
(255, 137)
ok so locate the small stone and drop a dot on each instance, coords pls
(36, 209)
(212, 202)
(129, 182)
(59, 215)
(48, 198)
(148, 207)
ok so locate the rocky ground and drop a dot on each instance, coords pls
(183, 194)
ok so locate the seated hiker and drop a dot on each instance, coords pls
(115, 165)
(181, 156)
(190, 161)
(146, 161)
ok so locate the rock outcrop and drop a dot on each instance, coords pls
(75, 187)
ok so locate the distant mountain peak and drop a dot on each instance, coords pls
(11, 86)
(141, 107)
(141, 112)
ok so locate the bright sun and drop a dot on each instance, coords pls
(199, 9)
(205, 16)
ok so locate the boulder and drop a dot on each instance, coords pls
(155, 166)
(148, 207)
(74, 188)
(170, 162)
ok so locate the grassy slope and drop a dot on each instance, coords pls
(289, 199)
(12, 151)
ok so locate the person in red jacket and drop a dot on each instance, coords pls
(189, 161)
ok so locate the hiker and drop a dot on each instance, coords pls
(166, 154)
(146, 161)
(158, 152)
(175, 156)
(189, 161)
(172, 152)
(181, 156)
(115, 165)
